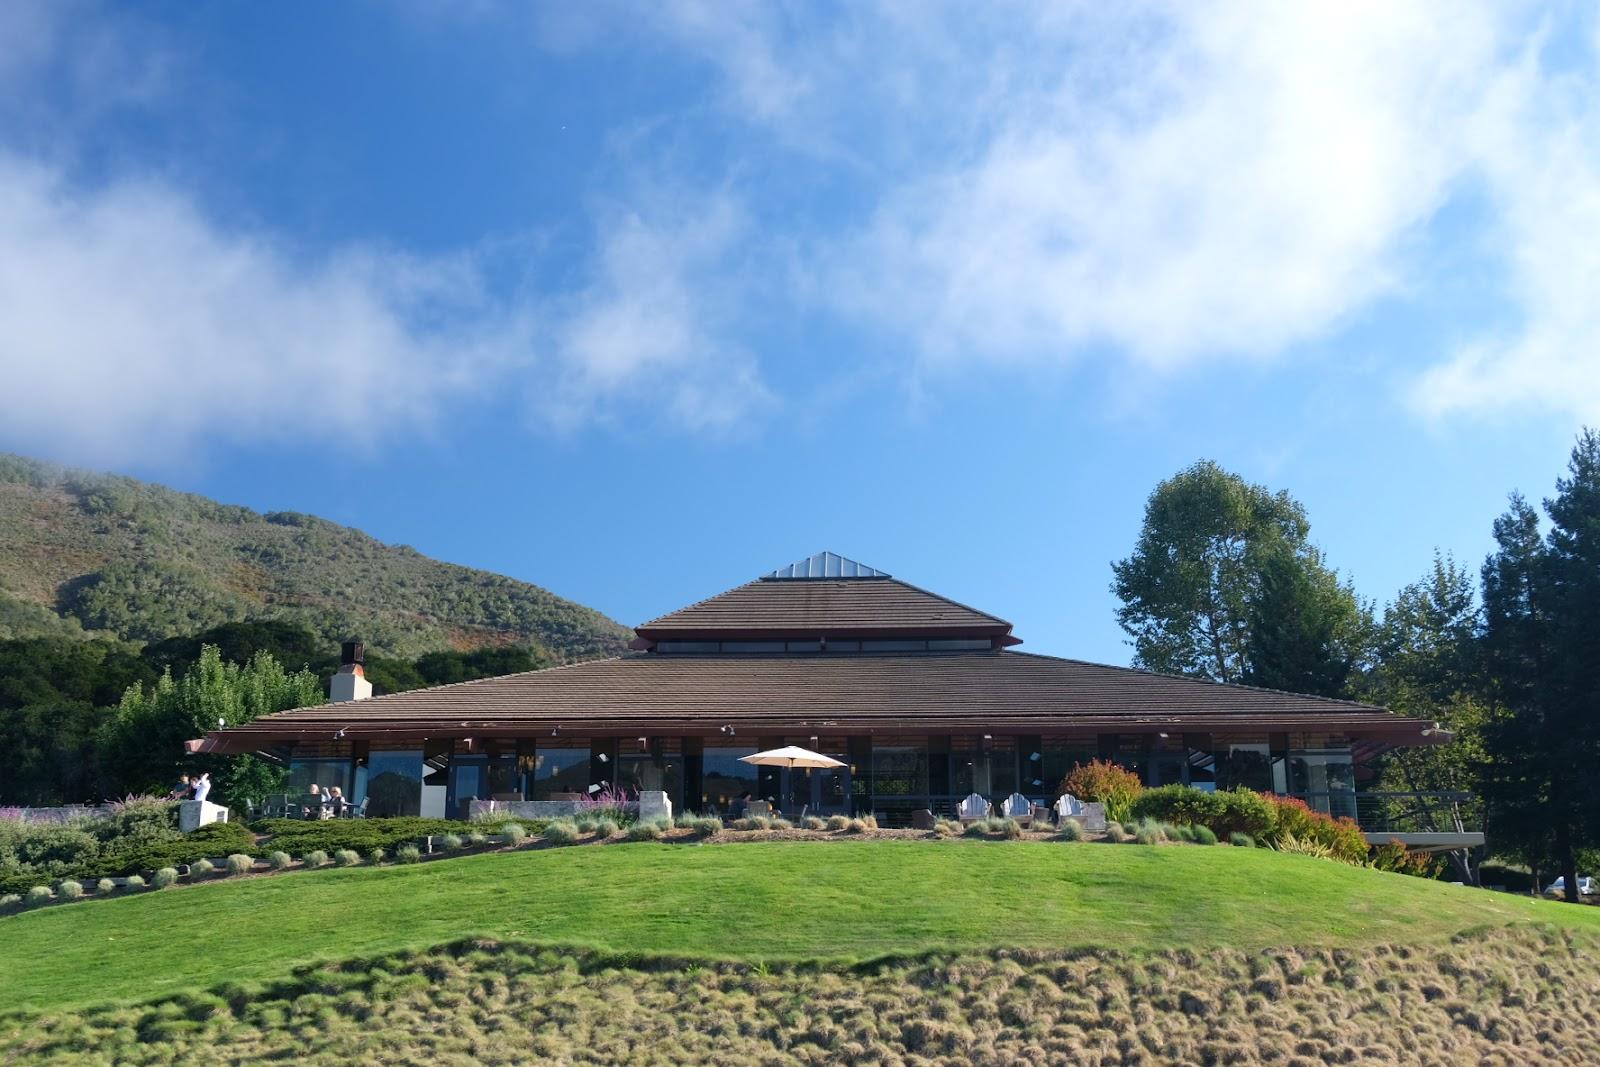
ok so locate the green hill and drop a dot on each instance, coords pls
(95, 553)
(789, 952)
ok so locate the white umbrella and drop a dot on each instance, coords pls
(791, 756)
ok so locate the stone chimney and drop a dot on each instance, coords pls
(351, 681)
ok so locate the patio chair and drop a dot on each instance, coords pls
(753, 808)
(355, 811)
(922, 819)
(277, 806)
(1018, 807)
(1092, 816)
(975, 807)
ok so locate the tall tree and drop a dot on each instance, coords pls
(1541, 643)
(1224, 584)
(144, 746)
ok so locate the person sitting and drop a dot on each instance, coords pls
(740, 803)
(183, 790)
(335, 801)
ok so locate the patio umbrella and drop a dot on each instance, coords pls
(791, 756)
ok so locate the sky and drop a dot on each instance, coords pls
(640, 301)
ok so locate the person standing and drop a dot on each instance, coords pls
(202, 785)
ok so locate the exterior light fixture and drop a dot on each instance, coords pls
(602, 757)
(644, 741)
(988, 737)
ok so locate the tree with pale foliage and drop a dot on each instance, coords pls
(145, 742)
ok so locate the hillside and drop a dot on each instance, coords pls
(83, 552)
(785, 952)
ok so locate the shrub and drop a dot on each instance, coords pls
(450, 842)
(647, 831)
(1394, 856)
(1183, 833)
(280, 860)
(1303, 847)
(329, 835)
(407, 854)
(1296, 821)
(201, 867)
(239, 863)
(561, 832)
(215, 839)
(39, 894)
(838, 822)
(1241, 840)
(165, 877)
(1106, 783)
(1242, 810)
(136, 881)
(516, 833)
(105, 887)
(1071, 830)
(347, 857)
(69, 890)
(316, 858)
(376, 856)
(1203, 835)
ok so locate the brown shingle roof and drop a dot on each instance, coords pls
(935, 692)
(836, 607)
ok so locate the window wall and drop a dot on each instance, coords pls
(561, 765)
(394, 783)
(723, 778)
(324, 772)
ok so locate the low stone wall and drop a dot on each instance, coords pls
(54, 816)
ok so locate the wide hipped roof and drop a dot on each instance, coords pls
(912, 692)
(835, 607)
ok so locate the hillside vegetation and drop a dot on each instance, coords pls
(768, 901)
(96, 553)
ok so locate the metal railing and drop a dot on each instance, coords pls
(1402, 812)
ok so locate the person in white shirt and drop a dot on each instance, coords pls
(202, 786)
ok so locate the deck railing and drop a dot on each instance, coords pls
(1403, 812)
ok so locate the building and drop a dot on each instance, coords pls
(924, 700)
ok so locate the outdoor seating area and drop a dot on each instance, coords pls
(311, 806)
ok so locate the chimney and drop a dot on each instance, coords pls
(351, 681)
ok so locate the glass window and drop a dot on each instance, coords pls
(844, 646)
(561, 766)
(900, 767)
(752, 646)
(1249, 766)
(687, 646)
(1326, 779)
(723, 778)
(810, 646)
(324, 773)
(655, 765)
(394, 783)
(893, 646)
(957, 644)
(1061, 754)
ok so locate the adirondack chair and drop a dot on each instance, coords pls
(1018, 807)
(975, 807)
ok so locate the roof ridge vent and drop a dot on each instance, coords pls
(825, 565)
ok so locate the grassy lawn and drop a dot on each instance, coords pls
(759, 901)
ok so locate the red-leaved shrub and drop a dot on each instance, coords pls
(1103, 782)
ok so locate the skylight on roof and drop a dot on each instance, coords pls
(826, 565)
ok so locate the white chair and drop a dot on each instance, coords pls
(1068, 806)
(975, 807)
(1018, 807)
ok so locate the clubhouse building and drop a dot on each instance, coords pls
(924, 700)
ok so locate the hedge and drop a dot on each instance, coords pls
(298, 837)
(216, 839)
(1224, 812)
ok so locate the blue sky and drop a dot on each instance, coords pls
(639, 301)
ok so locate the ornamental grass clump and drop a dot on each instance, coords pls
(477, 837)
(239, 863)
(376, 856)
(407, 854)
(39, 894)
(838, 822)
(105, 887)
(778, 822)
(10, 900)
(516, 833)
(166, 876)
(1203, 835)
(451, 842)
(69, 890)
(347, 857)
(947, 827)
(316, 858)
(1071, 830)
(813, 822)
(136, 881)
(201, 867)
(1116, 833)
(706, 825)
(561, 832)
(651, 830)
(1239, 840)
(279, 860)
